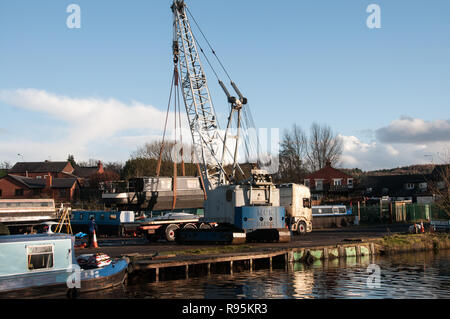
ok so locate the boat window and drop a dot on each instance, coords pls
(113, 216)
(26, 204)
(40, 257)
(81, 216)
(102, 216)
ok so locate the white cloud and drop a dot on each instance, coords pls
(111, 130)
(378, 155)
(411, 130)
(88, 121)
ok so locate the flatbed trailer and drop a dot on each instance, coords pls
(165, 227)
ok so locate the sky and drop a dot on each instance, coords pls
(101, 91)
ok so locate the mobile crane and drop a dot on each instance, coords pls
(247, 209)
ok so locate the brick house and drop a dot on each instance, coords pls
(58, 180)
(42, 169)
(329, 180)
(84, 173)
(62, 190)
(56, 170)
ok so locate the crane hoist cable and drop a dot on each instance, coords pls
(248, 118)
(209, 44)
(158, 166)
(175, 96)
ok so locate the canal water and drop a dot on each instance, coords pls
(412, 276)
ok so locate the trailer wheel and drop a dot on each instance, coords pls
(170, 232)
(189, 226)
(205, 226)
(301, 228)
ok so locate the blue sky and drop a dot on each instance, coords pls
(385, 91)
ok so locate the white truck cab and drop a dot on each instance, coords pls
(296, 199)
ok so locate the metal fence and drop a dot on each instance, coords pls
(399, 212)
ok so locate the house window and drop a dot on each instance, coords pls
(423, 185)
(319, 184)
(19, 192)
(350, 182)
(63, 193)
(409, 186)
(337, 182)
(307, 182)
(36, 192)
(40, 257)
(0, 193)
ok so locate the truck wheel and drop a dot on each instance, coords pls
(170, 232)
(205, 226)
(301, 228)
(189, 226)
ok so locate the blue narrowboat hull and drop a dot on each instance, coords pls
(61, 283)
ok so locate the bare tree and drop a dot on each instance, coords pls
(153, 149)
(293, 147)
(90, 163)
(323, 146)
(5, 165)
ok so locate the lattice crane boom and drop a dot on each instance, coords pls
(199, 106)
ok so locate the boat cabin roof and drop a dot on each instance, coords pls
(36, 237)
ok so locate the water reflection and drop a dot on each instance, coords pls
(420, 275)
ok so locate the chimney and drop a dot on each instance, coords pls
(49, 181)
(100, 167)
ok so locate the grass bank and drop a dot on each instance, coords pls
(412, 243)
(210, 250)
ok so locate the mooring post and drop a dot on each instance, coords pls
(286, 261)
(270, 263)
(209, 269)
(156, 274)
(251, 265)
(187, 271)
(231, 267)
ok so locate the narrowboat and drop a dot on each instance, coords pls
(108, 222)
(45, 266)
(155, 194)
(22, 215)
(332, 216)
